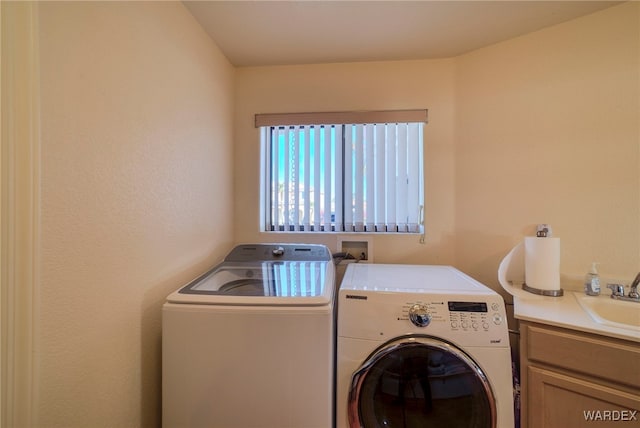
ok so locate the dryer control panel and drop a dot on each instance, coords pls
(479, 321)
(474, 316)
(460, 315)
(465, 320)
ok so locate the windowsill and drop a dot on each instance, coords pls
(319, 234)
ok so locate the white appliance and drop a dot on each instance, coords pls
(421, 346)
(251, 342)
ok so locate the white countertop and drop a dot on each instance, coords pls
(565, 311)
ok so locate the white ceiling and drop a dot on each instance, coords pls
(255, 33)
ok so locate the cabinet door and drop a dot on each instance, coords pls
(559, 401)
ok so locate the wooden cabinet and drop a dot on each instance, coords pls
(573, 379)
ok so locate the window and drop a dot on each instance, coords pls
(342, 172)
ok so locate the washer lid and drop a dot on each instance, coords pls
(261, 283)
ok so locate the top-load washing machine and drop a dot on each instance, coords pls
(250, 343)
(421, 346)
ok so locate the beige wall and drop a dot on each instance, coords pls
(136, 165)
(354, 86)
(539, 129)
(548, 132)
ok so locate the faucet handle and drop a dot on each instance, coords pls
(616, 289)
(634, 287)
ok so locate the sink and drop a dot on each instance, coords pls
(612, 312)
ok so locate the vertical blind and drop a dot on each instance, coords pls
(362, 177)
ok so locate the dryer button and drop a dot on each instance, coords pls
(419, 315)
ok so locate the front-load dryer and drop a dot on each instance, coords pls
(250, 344)
(421, 346)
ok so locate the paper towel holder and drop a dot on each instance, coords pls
(543, 231)
(552, 293)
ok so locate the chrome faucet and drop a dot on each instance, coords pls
(617, 291)
(633, 293)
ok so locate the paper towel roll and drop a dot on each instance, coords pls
(542, 263)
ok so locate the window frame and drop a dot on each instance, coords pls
(266, 122)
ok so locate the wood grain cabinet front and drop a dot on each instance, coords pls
(574, 379)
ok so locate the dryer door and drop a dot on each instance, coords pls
(420, 382)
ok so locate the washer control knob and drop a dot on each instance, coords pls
(278, 251)
(419, 315)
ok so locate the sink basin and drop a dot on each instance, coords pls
(612, 312)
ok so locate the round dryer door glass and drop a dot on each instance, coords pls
(421, 382)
